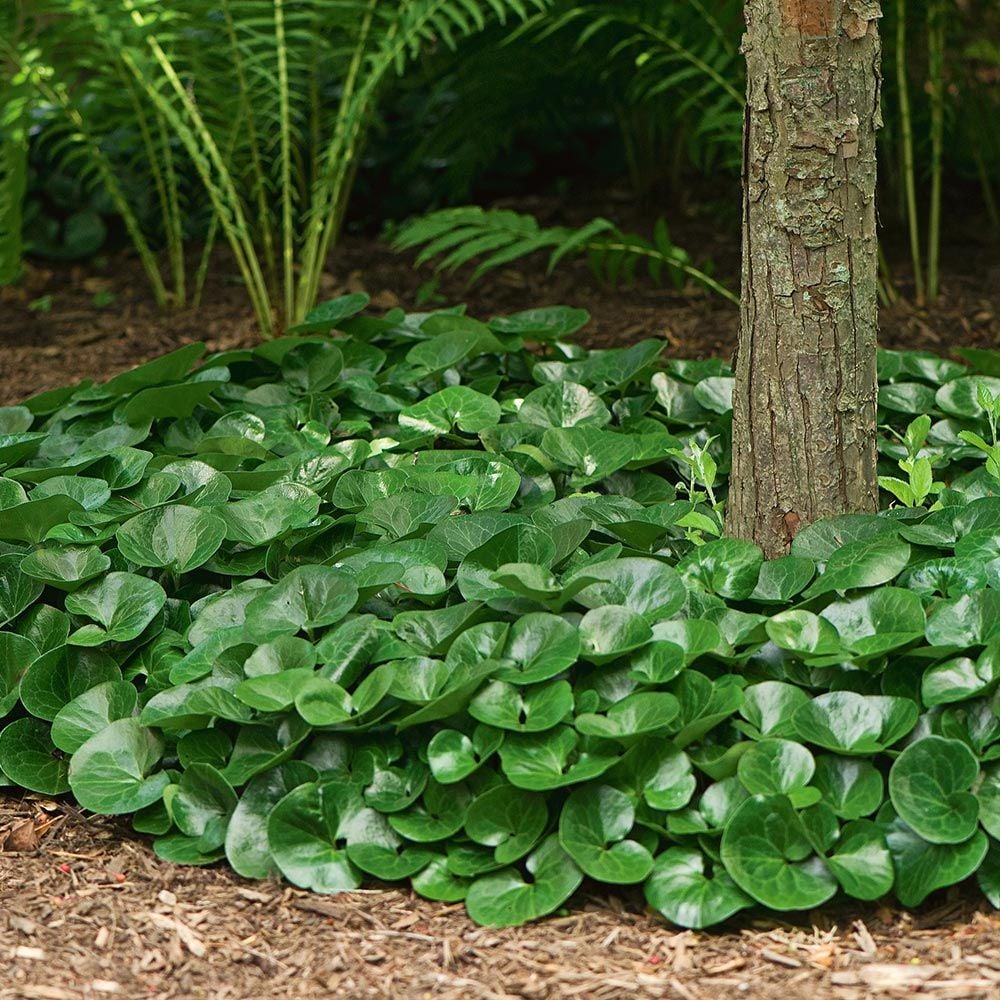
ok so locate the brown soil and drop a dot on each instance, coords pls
(87, 910)
(75, 339)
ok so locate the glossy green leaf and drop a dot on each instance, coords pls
(852, 787)
(113, 773)
(862, 861)
(766, 851)
(90, 712)
(851, 723)
(506, 899)
(922, 867)
(680, 888)
(30, 758)
(122, 604)
(453, 756)
(17, 590)
(66, 567)
(523, 709)
(607, 633)
(306, 842)
(929, 785)
(509, 820)
(177, 538)
(593, 829)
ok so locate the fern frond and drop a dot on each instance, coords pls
(459, 236)
(14, 108)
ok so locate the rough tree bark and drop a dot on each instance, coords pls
(805, 395)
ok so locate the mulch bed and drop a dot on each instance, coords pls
(87, 910)
(76, 339)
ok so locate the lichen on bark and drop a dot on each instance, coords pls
(805, 396)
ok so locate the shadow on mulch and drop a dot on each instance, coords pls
(87, 910)
(75, 339)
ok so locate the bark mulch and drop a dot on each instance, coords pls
(88, 911)
(76, 339)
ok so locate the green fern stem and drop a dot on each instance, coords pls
(259, 181)
(603, 246)
(285, 127)
(935, 62)
(166, 199)
(175, 232)
(13, 181)
(201, 147)
(313, 256)
(57, 96)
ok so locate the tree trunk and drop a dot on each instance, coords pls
(805, 395)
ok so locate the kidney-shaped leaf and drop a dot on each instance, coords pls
(66, 567)
(305, 839)
(508, 819)
(851, 723)
(593, 827)
(929, 785)
(922, 867)
(29, 758)
(767, 852)
(110, 773)
(680, 889)
(122, 604)
(177, 538)
(505, 899)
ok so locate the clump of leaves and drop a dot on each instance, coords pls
(425, 598)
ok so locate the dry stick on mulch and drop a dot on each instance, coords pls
(90, 912)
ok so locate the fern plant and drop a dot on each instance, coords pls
(678, 61)
(263, 104)
(677, 70)
(14, 106)
(493, 238)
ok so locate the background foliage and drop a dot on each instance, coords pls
(421, 603)
(253, 120)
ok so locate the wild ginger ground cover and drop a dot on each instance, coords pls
(415, 602)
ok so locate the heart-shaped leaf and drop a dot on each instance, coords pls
(66, 567)
(122, 604)
(110, 773)
(90, 712)
(306, 839)
(523, 709)
(453, 756)
(509, 820)
(851, 723)
(593, 827)
(768, 854)
(30, 758)
(852, 787)
(246, 843)
(177, 538)
(607, 633)
(505, 899)
(922, 867)
(929, 786)
(686, 895)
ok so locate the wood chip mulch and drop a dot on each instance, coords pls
(88, 911)
(77, 339)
